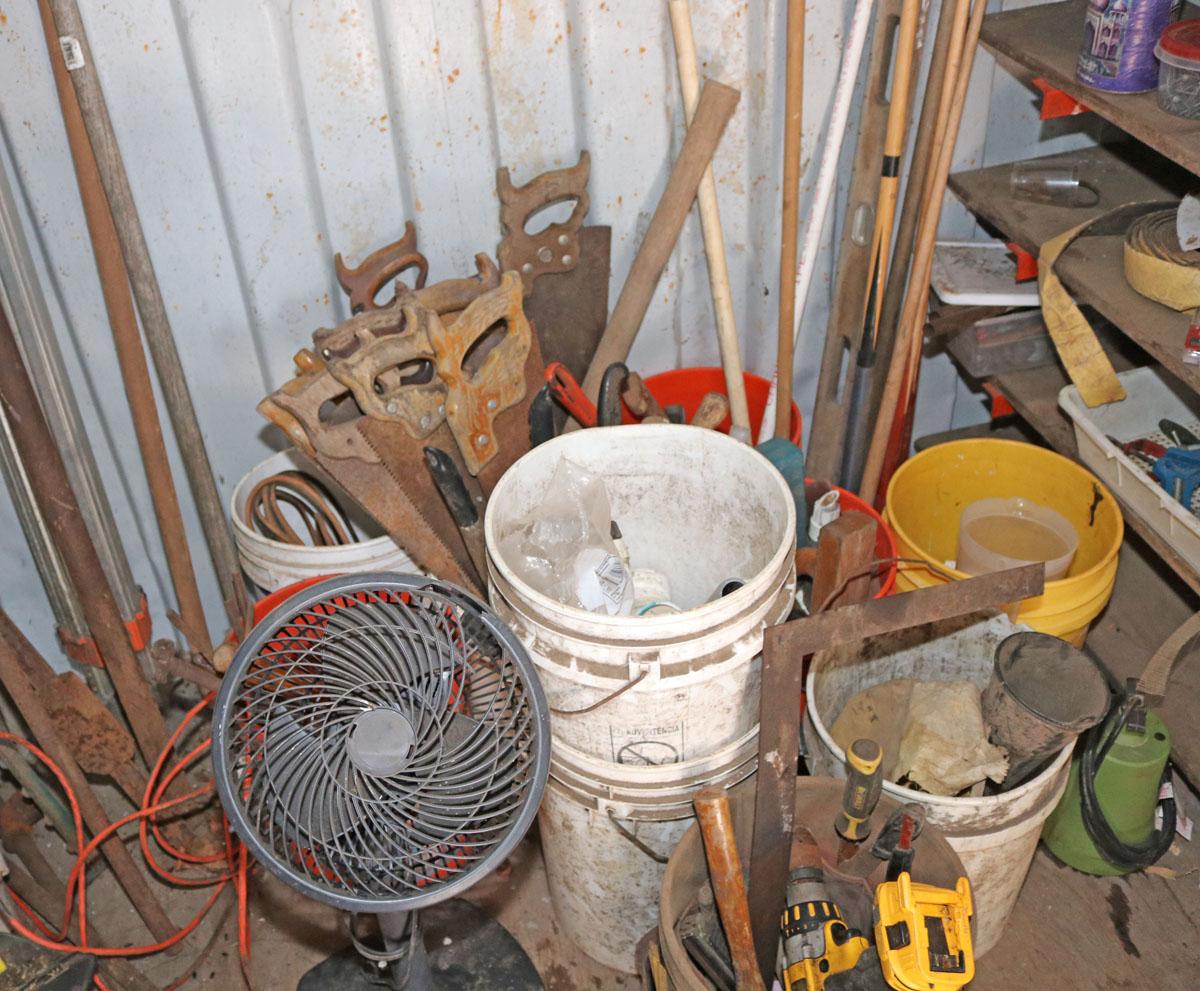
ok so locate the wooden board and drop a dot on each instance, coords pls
(1072, 932)
(1044, 41)
(1092, 268)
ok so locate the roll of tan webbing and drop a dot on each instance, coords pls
(1156, 266)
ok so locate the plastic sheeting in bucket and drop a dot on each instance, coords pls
(995, 835)
(698, 507)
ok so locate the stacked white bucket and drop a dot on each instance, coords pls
(700, 508)
(273, 565)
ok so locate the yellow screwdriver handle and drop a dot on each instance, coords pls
(864, 782)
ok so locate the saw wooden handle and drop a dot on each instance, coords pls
(717, 103)
(728, 883)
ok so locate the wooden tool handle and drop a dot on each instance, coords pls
(717, 103)
(710, 223)
(640, 401)
(729, 886)
(712, 411)
(793, 107)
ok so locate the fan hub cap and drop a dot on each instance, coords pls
(381, 741)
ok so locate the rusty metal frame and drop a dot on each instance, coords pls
(784, 649)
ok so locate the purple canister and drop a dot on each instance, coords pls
(1118, 44)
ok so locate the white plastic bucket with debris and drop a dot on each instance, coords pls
(995, 836)
(271, 564)
(699, 508)
(607, 831)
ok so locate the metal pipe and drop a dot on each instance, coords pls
(150, 305)
(135, 373)
(26, 698)
(56, 499)
(22, 297)
(25, 300)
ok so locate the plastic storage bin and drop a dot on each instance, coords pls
(1178, 52)
(1003, 344)
(1149, 398)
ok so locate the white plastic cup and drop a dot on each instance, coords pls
(1035, 533)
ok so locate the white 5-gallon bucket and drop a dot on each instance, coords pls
(271, 565)
(698, 507)
(995, 836)
(607, 831)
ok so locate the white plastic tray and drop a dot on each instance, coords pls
(1150, 397)
(979, 273)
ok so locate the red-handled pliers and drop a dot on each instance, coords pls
(569, 395)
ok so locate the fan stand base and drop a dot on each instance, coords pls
(481, 955)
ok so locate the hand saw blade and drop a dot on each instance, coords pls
(399, 494)
(569, 310)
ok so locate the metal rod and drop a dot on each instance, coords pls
(148, 295)
(30, 704)
(44, 361)
(59, 506)
(21, 296)
(118, 302)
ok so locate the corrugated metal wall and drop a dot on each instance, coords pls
(261, 136)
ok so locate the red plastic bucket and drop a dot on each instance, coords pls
(687, 386)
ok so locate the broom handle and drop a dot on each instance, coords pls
(893, 152)
(958, 72)
(793, 107)
(710, 223)
(851, 60)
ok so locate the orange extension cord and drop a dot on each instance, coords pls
(234, 861)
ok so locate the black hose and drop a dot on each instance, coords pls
(1127, 856)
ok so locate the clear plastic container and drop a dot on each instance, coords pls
(1178, 52)
(1003, 344)
(997, 534)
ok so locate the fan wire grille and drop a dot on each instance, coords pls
(333, 823)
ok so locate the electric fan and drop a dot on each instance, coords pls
(381, 743)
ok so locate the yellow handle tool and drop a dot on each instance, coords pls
(864, 782)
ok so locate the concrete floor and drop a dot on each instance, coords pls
(1061, 917)
(291, 934)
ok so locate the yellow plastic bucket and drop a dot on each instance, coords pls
(928, 493)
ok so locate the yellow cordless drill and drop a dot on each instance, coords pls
(817, 942)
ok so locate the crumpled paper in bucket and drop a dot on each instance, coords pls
(931, 732)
